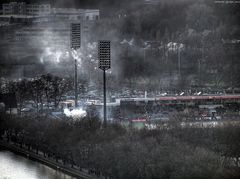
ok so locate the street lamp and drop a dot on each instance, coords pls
(104, 55)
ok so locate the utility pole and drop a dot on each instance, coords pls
(104, 55)
(200, 66)
(201, 61)
(179, 61)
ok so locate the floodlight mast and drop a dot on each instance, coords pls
(104, 55)
(75, 44)
(104, 100)
(76, 84)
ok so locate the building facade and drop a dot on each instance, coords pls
(14, 8)
(75, 14)
(38, 9)
(34, 34)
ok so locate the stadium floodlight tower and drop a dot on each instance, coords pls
(104, 56)
(76, 44)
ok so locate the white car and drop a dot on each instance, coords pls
(26, 109)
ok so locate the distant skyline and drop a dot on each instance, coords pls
(72, 3)
(102, 4)
(60, 3)
(89, 3)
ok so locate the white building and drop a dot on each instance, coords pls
(76, 14)
(46, 34)
(21, 8)
(38, 9)
(15, 8)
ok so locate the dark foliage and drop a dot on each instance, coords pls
(120, 153)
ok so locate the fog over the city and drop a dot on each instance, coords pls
(120, 89)
(155, 44)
